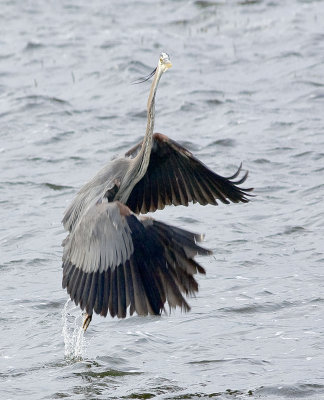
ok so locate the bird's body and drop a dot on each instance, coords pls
(114, 260)
(104, 184)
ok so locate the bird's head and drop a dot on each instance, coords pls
(163, 65)
(164, 62)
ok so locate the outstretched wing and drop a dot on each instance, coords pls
(175, 176)
(113, 260)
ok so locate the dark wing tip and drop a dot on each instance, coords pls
(242, 180)
(238, 194)
(201, 250)
(179, 237)
(175, 176)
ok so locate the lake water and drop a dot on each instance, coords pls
(247, 84)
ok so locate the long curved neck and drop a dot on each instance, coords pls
(139, 164)
(143, 157)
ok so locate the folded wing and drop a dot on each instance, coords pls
(175, 176)
(114, 261)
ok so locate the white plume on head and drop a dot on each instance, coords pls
(164, 55)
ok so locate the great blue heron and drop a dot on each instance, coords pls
(114, 259)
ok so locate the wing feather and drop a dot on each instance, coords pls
(148, 263)
(100, 293)
(139, 295)
(175, 176)
(113, 298)
(105, 300)
(130, 287)
(74, 282)
(93, 291)
(122, 308)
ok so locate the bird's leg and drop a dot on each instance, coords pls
(86, 321)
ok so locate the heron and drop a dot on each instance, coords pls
(116, 260)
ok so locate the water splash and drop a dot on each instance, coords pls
(73, 334)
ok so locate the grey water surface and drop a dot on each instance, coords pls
(247, 84)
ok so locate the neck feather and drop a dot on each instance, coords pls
(140, 163)
(143, 157)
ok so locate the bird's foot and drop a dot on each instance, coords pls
(86, 321)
